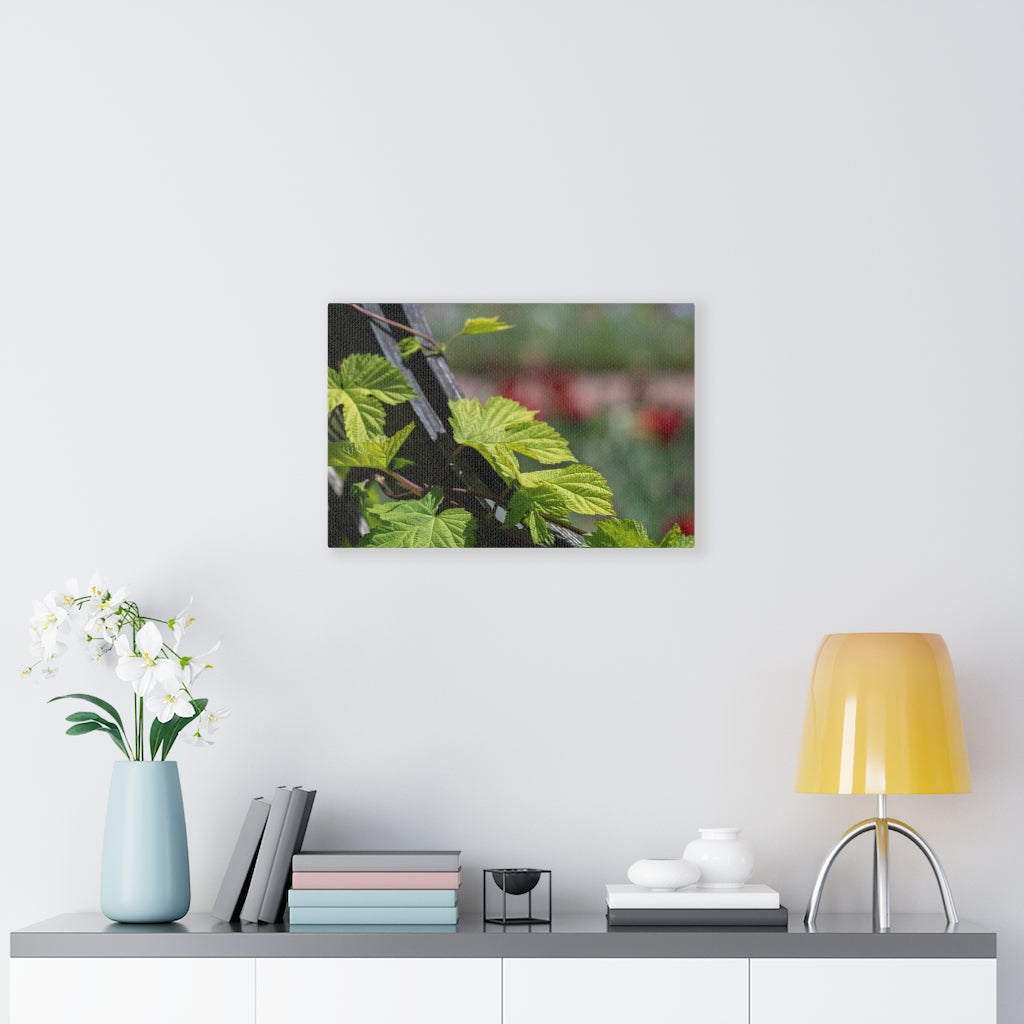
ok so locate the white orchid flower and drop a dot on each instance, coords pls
(101, 621)
(99, 636)
(180, 623)
(98, 585)
(47, 619)
(216, 715)
(165, 702)
(96, 649)
(191, 672)
(200, 731)
(44, 650)
(102, 600)
(70, 594)
(144, 667)
(102, 627)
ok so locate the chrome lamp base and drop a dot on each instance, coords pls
(881, 825)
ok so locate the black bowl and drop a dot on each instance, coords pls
(516, 881)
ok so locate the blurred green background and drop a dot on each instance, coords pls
(614, 336)
(616, 380)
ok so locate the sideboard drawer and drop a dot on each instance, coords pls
(99, 990)
(939, 991)
(612, 990)
(361, 990)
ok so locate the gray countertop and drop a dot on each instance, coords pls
(570, 935)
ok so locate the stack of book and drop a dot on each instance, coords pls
(748, 906)
(256, 880)
(375, 890)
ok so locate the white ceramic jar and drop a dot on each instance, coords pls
(662, 874)
(725, 860)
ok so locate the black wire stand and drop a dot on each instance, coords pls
(515, 884)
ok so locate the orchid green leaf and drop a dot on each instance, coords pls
(102, 704)
(83, 727)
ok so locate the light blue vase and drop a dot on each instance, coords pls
(144, 876)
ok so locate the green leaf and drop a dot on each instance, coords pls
(374, 375)
(83, 727)
(85, 716)
(500, 428)
(675, 538)
(373, 453)
(576, 488)
(619, 533)
(335, 390)
(533, 508)
(540, 532)
(409, 346)
(363, 415)
(362, 386)
(484, 325)
(163, 734)
(416, 523)
(108, 727)
(109, 708)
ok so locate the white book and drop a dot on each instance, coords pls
(636, 897)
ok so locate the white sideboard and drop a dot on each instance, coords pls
(101, 990)
(445, 990)
(599, 990)
(84, 968)
(844, 991)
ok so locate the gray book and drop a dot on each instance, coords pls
(239, 870)
(712, 917)
(293, 831)
(376, 860)
(265, 856)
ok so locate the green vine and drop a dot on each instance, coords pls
(402, 510)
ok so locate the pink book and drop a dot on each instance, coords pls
(375, 879)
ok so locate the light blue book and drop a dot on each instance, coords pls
(373, 915)
(372, 897)
(372, 928)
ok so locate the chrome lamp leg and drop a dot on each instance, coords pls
(881, 825)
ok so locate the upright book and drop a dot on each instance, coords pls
(292, 833)
(376, 860)
(265, 856)
(239, 870)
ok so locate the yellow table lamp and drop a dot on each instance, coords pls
(883, 717)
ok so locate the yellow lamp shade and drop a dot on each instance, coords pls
(883, 716)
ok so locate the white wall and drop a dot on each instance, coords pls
(185, 187)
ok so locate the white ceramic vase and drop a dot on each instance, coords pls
(725, 860)
(663, 874)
